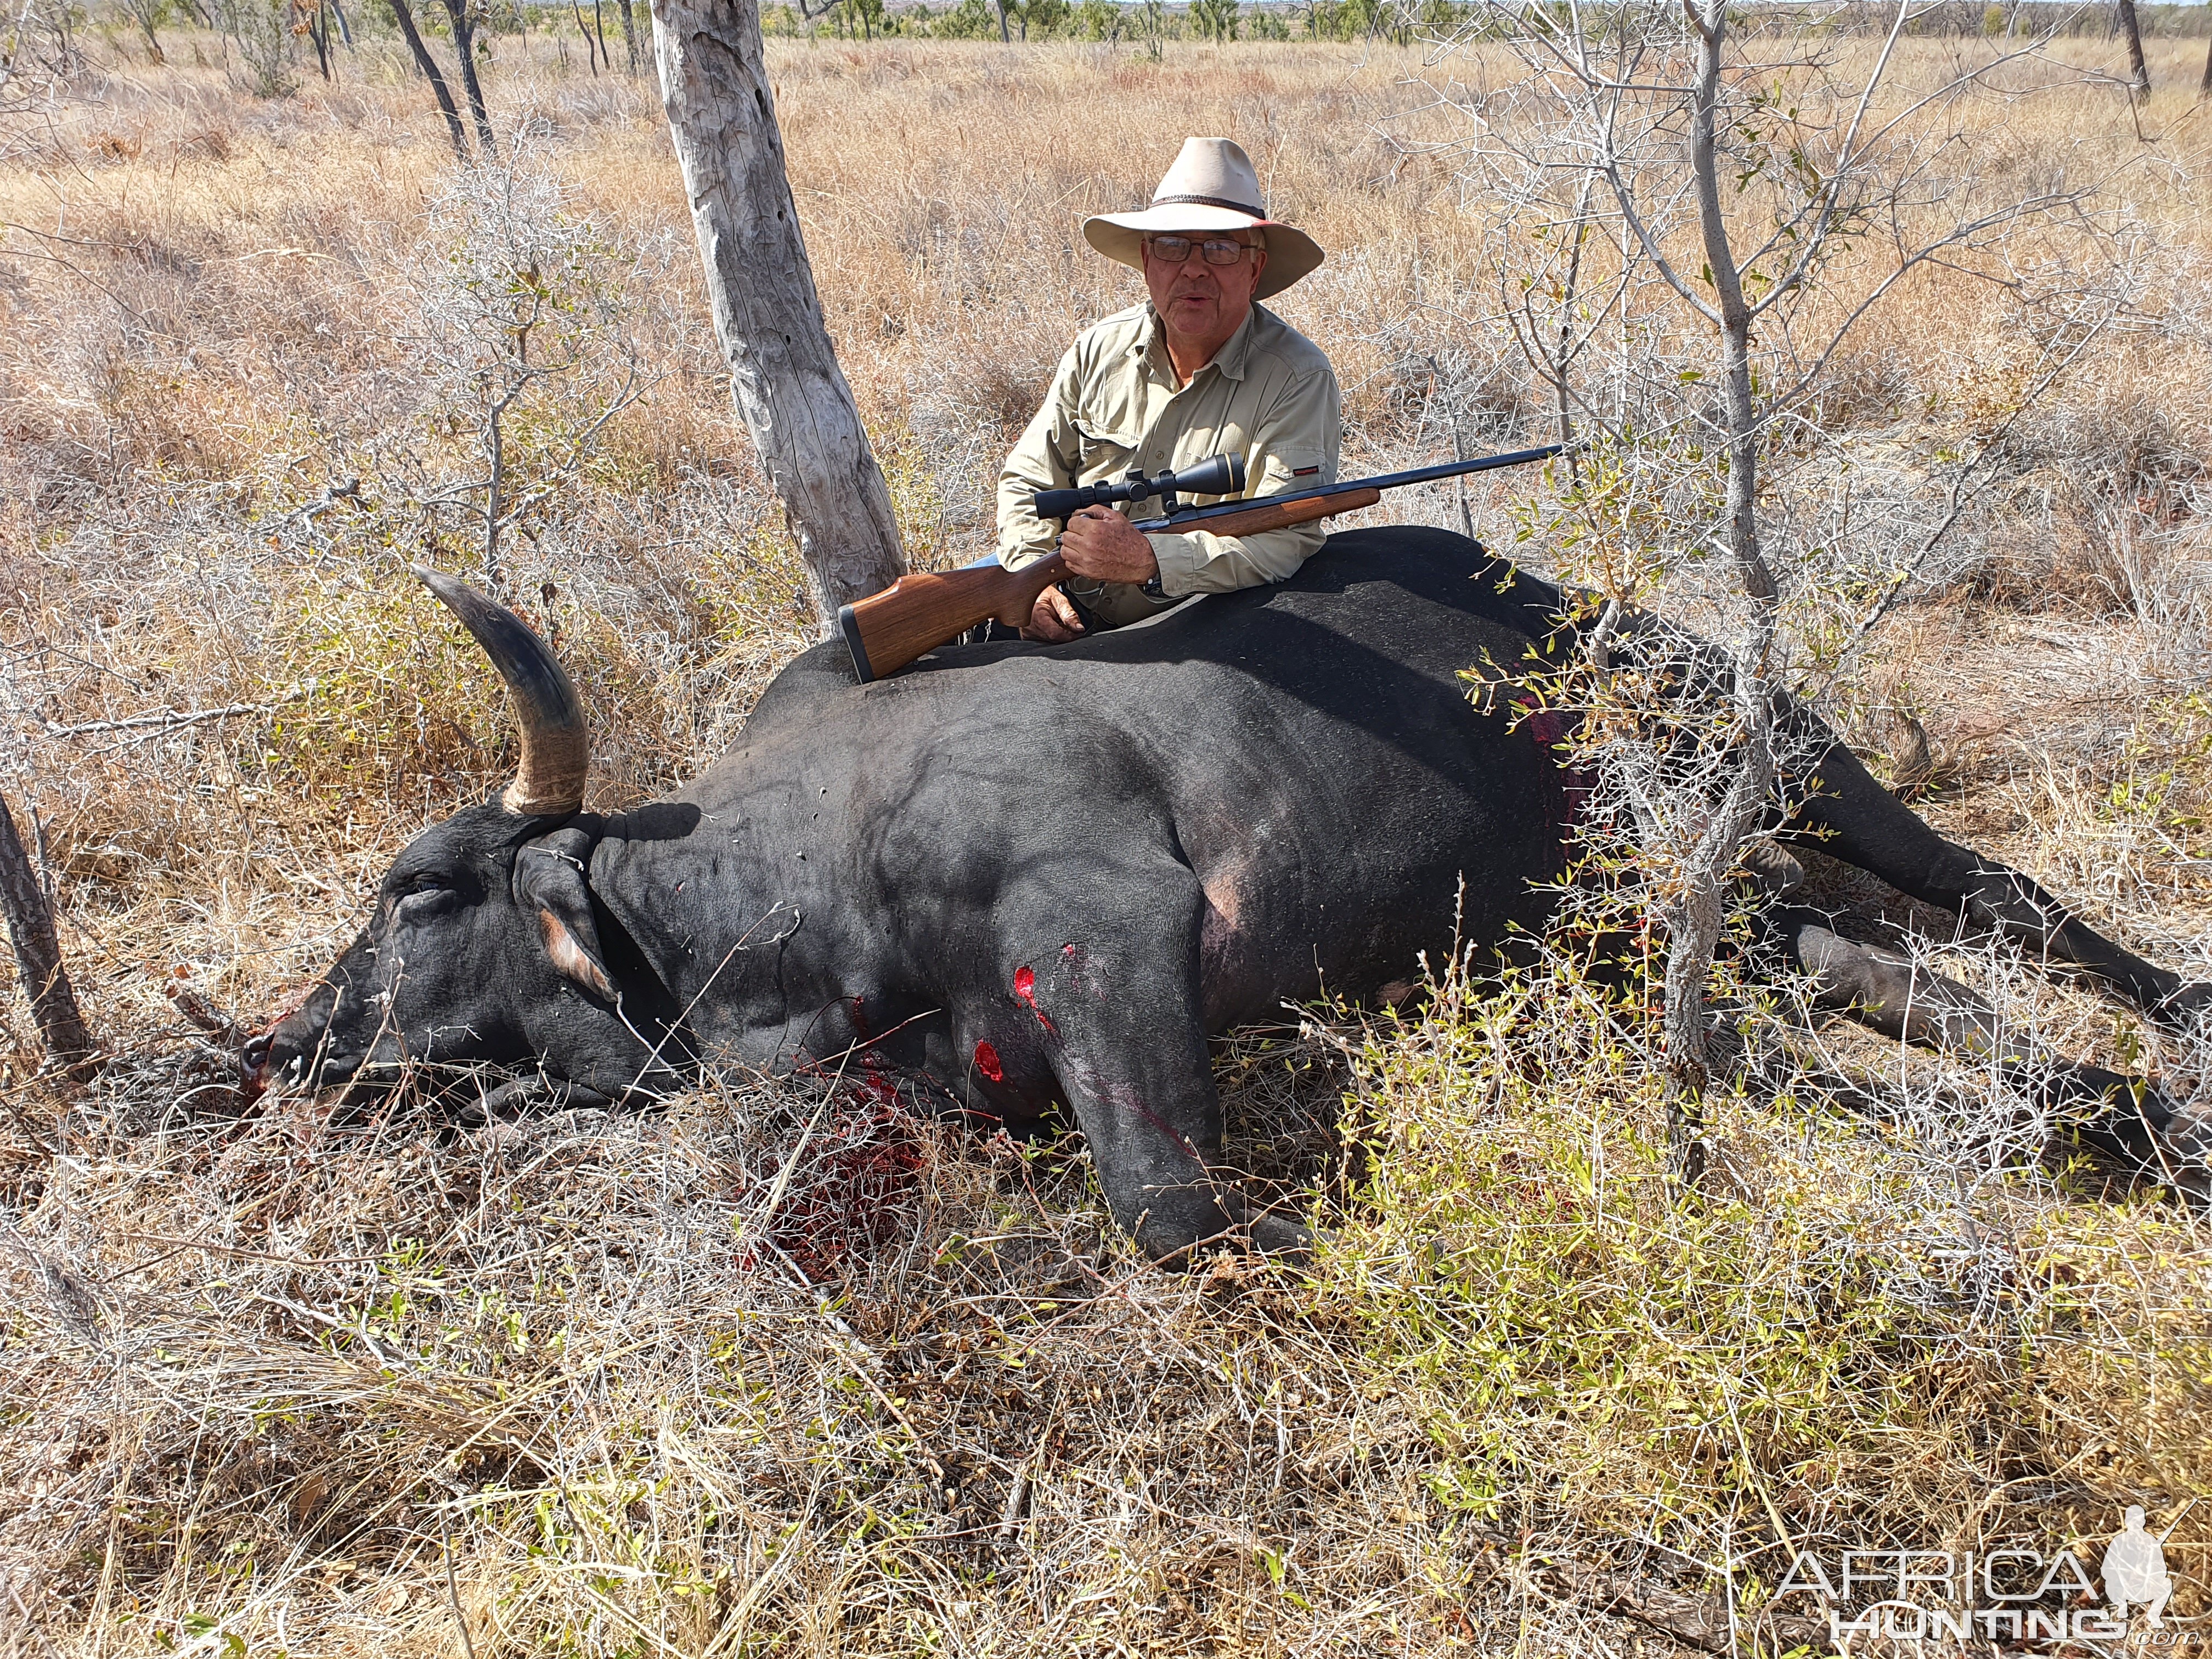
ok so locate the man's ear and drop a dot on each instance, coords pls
(549, 878)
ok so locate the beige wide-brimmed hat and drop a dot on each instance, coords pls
(1212, 187)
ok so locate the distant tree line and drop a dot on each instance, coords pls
(2033, 17)
(1151, 21)
(1137, 23)
(274, 41)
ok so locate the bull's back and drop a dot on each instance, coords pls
(1308, 750)
(1352, 808)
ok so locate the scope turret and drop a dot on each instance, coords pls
(1219, 475)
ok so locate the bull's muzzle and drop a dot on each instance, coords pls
(253, 1063)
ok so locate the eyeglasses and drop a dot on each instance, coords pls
(1173, 250)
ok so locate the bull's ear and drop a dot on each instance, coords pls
(549, 878)
(575, 958)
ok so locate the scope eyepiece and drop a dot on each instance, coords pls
(1217, 474)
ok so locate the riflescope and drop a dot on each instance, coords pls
(1221, 475)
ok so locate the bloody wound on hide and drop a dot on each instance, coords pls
(1025, 991)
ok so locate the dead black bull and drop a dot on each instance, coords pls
(1045, 876)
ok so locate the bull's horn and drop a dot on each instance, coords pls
(556, 747)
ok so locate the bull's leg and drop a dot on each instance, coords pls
(1855, 818)
(1109, 995)
(2123, 1117)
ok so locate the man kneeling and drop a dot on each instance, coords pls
(1199, 370)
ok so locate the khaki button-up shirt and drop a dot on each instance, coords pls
(1269, 395)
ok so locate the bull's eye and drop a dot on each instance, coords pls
(422, 891)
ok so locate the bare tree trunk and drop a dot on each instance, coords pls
(1567, 299)
(2205, 86)
(38, 956)
(584, 29)
(318, 35)
(783, 372)
(2136, 68)
(464, 48)
(428, 65)
(144, 15)
(1004, 37)
(629, 33)
(1735, 317)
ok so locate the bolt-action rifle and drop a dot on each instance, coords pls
(921, 611)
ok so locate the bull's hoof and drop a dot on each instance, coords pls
(1280, 1237)
(525, 1095)
(1185, 1240)
(1769, 870)
(2184, 1146)
(2188, 1007)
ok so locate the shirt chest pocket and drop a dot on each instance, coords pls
(1103, 449)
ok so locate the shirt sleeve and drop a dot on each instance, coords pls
(1044, 458)
(1299, 432)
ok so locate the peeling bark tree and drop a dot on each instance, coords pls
(38, 956)
(783, 372)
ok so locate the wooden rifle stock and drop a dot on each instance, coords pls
(918, 612)
(925, 608)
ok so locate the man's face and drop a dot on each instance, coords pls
(1199, 300)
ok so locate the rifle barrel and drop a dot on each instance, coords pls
(1199, 515)
(923, 609)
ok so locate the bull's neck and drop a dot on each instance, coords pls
(731, 905)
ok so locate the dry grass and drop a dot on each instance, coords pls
(287, 1382)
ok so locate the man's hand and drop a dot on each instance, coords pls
(1100, 545)
(1054, 621)
(1103, 545)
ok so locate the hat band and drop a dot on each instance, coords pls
(1209, 201)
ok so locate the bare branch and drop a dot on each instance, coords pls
(169, 720)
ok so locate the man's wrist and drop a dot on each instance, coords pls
(1174, 558)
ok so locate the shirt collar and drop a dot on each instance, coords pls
(1229, 360)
